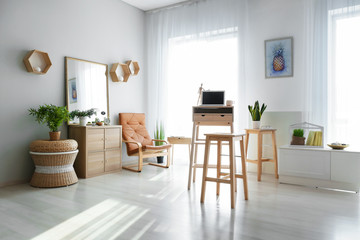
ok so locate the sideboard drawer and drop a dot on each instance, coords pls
(213, 117)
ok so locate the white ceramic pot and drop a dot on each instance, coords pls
(256, 124)
(83, 121)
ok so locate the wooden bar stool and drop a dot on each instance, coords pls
(229, 178)
(260, 160)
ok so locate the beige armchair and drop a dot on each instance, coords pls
(139, 143)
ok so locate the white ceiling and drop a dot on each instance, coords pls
(151, 4)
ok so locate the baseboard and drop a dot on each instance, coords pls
(11, 183)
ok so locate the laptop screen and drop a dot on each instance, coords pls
(213, 97)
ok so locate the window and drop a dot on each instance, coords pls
(344, 80)
(213, 61)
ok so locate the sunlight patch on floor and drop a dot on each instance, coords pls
(110, 217)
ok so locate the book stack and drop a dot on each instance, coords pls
(314, 138)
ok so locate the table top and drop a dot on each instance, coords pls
(224, 134)
(260, 130)
(179, 140)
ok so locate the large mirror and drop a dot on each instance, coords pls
(86, 87)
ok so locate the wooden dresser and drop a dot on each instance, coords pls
(99, 149)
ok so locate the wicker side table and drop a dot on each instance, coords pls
(53, 163)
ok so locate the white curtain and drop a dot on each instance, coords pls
(192, 20)
(320, 62)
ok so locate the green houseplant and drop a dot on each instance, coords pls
(159, 134)
(82, 115)
(298, 137)
(51, 115)
(256, 112)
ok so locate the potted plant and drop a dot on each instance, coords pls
(298, 137)
(98, 122)
(256, 112)
(51, 115)
(159, 134)
(82, 115)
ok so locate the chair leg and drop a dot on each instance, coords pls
(232, 173)
(218, 167)
(205, 170)
(140, 160)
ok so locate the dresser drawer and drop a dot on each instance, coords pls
(212, 117)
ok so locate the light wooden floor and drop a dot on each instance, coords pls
(156, 204)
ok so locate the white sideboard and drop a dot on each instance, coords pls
(320, 167)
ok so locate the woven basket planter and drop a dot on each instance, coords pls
(55, 168)
(297, 140)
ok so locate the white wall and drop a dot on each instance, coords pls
(105, 31)
(270, 20)
(283, 96)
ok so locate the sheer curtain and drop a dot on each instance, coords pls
(192, 22)
(331, 74)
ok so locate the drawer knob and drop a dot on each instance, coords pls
(203, 115)
(222, 115)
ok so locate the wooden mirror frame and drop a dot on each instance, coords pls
(67, 85)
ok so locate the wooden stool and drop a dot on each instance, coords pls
(178, 140)
(260, 160)
(222, 177)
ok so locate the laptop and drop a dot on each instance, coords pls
(213, 98)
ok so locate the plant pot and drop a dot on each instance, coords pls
(256, 124)
(55, 136)
(99, 123)
(160, 159)
(297, 140)
(83, 121)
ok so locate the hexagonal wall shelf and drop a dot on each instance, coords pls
(134, 67)
(37, 62)
(120, 72)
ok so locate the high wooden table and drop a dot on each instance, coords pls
(207, 116)
(260, 160)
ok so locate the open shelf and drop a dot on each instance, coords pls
(134, 67)
(37, 62)
(120, 72)
(309, 129)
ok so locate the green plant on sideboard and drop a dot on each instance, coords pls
(85, 113)
(298, 137)
(256, 112)
(298, 132)
(51, 116)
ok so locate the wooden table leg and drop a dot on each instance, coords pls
(246, 144)
(191, 156)
(195, 161)
(243, 166)
(275, 154)
(259, 161)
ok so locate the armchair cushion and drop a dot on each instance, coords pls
(134, 129)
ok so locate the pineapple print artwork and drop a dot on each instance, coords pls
(278, 58)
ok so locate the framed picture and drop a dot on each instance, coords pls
(279, 58)
(72, 90)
